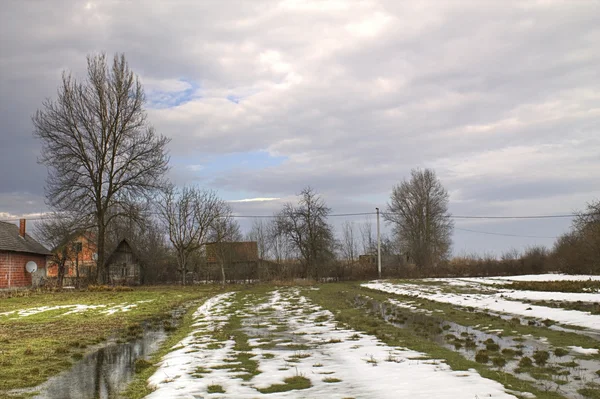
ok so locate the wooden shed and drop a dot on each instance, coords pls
(124, 265)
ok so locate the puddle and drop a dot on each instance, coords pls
(539, 323)
(559, 374)
(106, 372)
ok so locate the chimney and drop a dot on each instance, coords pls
(22, 223)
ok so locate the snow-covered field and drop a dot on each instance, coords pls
(534, 277)
(483, 295)
(285, 335)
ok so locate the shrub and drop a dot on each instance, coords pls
(560, 352)
(482, 357)
(541, 357)
(525, 362)
(141, 364)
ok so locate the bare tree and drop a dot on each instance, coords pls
(56, 231)
(280, 247)
(418, 211)
(305, 226)
(348, 243)
(189, 214)
(224, 229)
(259, 232)
(98, 146)
(369, 246)
(579, 250)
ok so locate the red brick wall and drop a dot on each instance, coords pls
(12, 268)
(86, 260)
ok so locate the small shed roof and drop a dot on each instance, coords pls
(11, 240)
(123, 246)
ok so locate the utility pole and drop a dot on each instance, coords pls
(378, 246)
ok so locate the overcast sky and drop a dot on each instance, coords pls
(264, 97)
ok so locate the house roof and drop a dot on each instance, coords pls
(10, 240)
(236, 251)
(124, 243)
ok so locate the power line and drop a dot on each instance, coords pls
(383, 213)
(233, 216)
(514, 217)
(501, 234)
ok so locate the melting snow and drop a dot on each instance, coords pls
(75, 308)
(584, 351)
(365, 366)
(494, 302)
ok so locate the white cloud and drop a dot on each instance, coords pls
(255, 200)
(498, 98)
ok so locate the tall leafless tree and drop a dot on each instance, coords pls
(368, 244)
(280, 247)
(259, 232)
(305, 226)
(98, 145)
(418, 211)
(189, 214)
(579, 250)
(348, 242)
(224, 229)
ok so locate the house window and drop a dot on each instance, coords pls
(124, 271)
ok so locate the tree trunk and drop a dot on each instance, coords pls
(101, 272)
(183, 264)
(222, 272)
(77, 269)
(61, 272)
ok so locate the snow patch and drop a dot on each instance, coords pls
(584, 351)
(364, 366)
(493, 302)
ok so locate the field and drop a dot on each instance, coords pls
(430, 338)
(42, 334)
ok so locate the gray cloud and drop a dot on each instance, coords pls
(500, 98)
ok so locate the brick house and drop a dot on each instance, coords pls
(16, 249)
(80, 253)
(239, 259)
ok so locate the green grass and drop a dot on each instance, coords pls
(53, 341)
(290, 384)
(555, 286)
(589, 393)
(215, 389)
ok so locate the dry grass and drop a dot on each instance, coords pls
(53, 341)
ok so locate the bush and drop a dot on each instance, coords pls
(525, 362)
(541, 357)
(141, 364)
(482, 357)
(499, 362)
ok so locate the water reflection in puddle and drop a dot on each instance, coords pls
(104, 373)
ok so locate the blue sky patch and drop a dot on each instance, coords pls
(211, 164)
(167, 99)
(234, 98)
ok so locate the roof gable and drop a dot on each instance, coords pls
(10, 240)
(122, 246)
